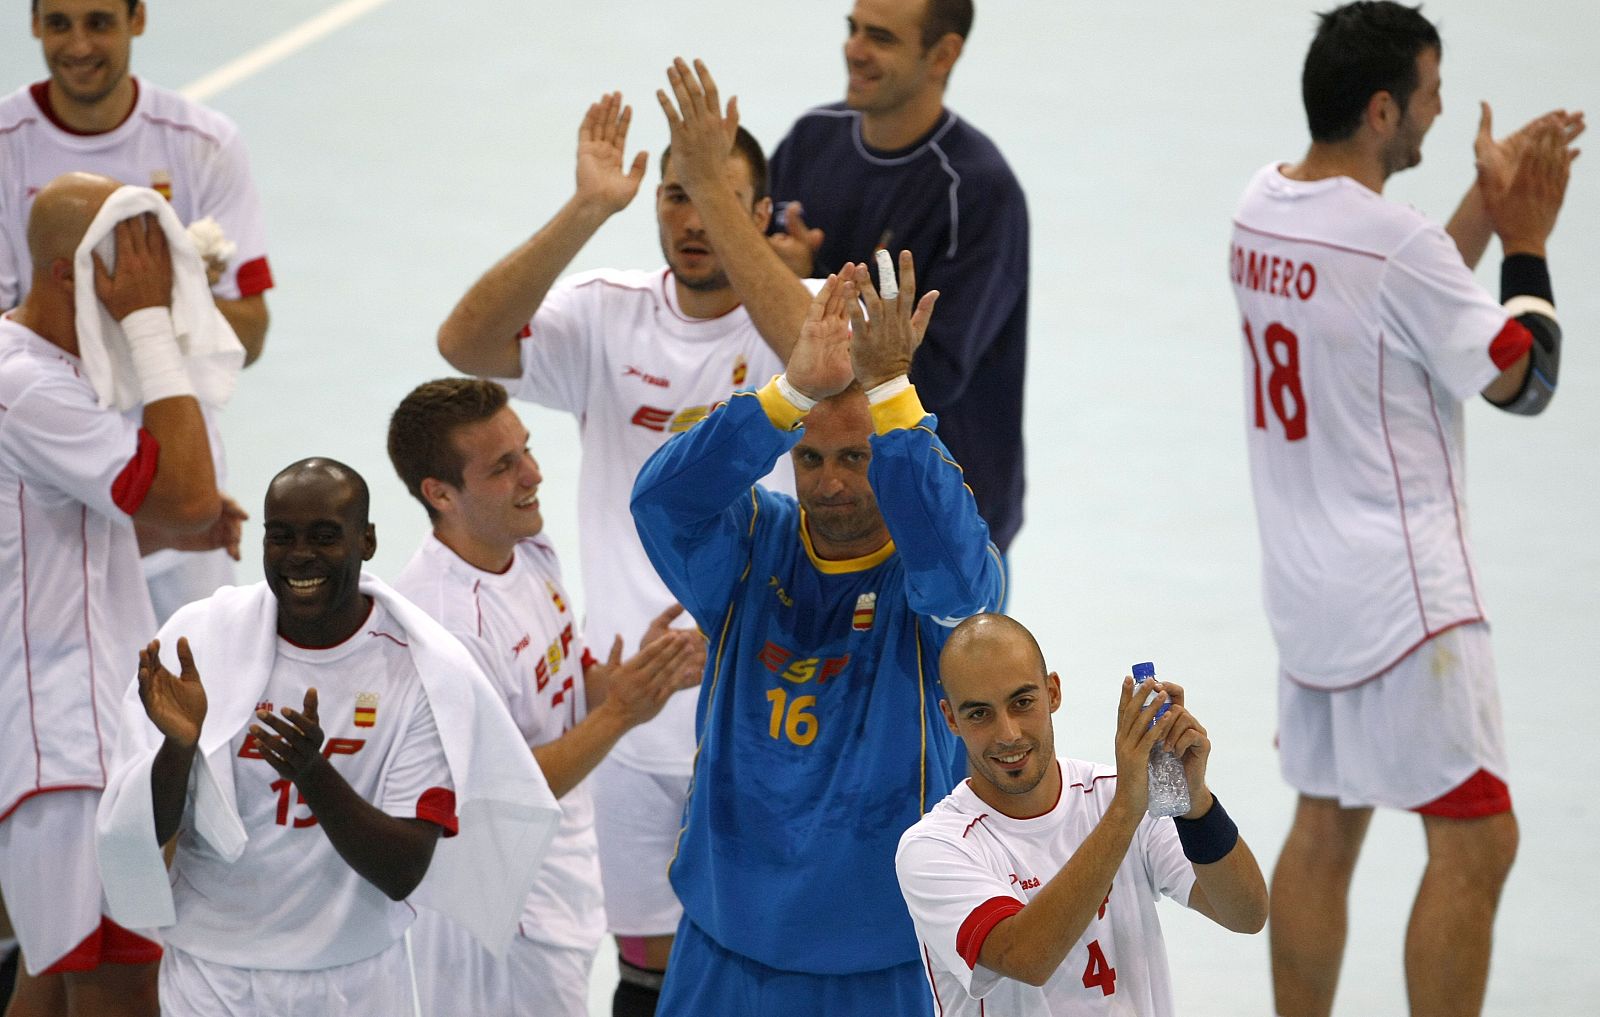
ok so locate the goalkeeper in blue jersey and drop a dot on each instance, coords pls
(820, 739)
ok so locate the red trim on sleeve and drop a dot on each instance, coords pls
(438, 805)
(1482, 794)
(133, 483)
(525, 332)
(1513, 341)
(109, 943)
(976, 929)
(254, 276)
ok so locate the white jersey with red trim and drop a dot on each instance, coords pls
(290, 902)
(191, 154)
(964, 867)
(73, 605)
(520, 626)
(614, 349)
(1363, 333)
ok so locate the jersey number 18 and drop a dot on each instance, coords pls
(1283, 389)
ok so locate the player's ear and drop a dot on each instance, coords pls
(1053, 683)
(949, 716)
(1383, 113)
(944, 53)
(136, 22)
(369, 542)
(435, 492)
(762, 214)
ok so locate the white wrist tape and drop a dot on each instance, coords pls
(156, 360)
(801, 401)
(888, 284)
(888, 390)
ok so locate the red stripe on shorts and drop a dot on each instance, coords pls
(1480, 795)
(109, 943)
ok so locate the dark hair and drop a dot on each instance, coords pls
(133, 5)
(749, 149)
(1361, 49)
(943, 17)
(422, 429)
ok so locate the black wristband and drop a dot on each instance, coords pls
(1525, 275)
(1209, 838)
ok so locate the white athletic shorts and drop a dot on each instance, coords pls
(457, 977)
(51, 883)
(1415, 734)
(379, 986)
(637, 817)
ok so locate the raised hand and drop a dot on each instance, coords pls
(602, 144)
(144, 268)
(702, 135)
(820, 364)
(798, 243)
(1523, 178)
(1136, 736)
(1187, 739)
(637, 688)
(297, 745)
(175, 704)
(887, 336)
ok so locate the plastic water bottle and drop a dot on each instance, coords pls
(1169, 788)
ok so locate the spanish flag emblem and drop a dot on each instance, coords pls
(741, 367)
(366, 709)
(555, 596)
(866, 610)
(161, 183)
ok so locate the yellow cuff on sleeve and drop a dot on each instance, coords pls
(901, 411)
(785, 416)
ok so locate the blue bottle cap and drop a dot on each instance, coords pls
(1143, 671)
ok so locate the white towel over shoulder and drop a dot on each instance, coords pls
(211, 352)
(506, 813)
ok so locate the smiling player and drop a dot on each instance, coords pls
(1033, 885)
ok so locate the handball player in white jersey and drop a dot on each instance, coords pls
(339, 723)
(93, 115)
(1033, 885)
(76, 480)
(638, 356)
(490, 576)
(1364, 334)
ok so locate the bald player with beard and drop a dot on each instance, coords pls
(1033, 884)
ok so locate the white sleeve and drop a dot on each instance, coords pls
(1430, 302)
(955, 902)
(59, 436)
(558, 347)
(416, 780)
(1169, 870)
(230, 197)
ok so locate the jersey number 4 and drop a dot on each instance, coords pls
(1283, 388)
(1098, 972)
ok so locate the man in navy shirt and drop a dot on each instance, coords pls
(891, 167)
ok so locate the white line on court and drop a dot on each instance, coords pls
(285, 45)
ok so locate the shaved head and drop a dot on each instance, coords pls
(328, 475)
(61, 215)
(985, 637)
